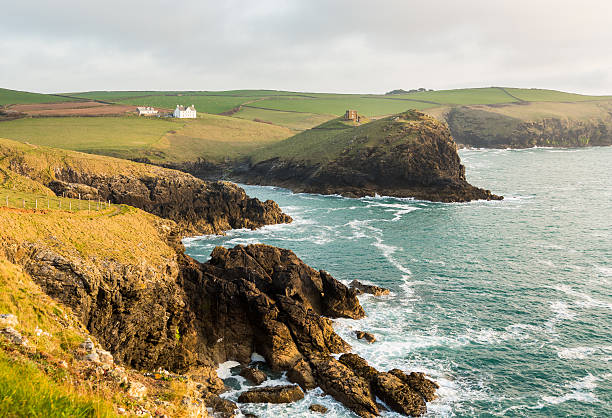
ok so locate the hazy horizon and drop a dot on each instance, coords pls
(337, 47)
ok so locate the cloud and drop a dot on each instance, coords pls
(339, 46)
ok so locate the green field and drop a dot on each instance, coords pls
(108, 135)
(161, 140)
(540, 95)
(9, 97)
(292, 120)
(216, 138)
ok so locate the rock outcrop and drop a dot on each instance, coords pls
(368, 288)
(246, 299)
(408, 155)
(197, 206)
(272, 394)
(505, 126)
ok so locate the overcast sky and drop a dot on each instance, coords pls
(309, 45)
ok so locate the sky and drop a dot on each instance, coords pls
(309, 45)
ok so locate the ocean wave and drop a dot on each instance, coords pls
(582, 391)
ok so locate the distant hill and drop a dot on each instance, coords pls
(483, 117)
(8, 97)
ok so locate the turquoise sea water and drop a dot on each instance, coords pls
(508, 305)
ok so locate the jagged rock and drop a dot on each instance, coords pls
(137, 390)
(88, 345)
(344, 385)
(14, 336)
(220, 406)
(417, 381)
(272, 394)
(368, 288)
(359, 366)
(301, 373)
(399, 396)
(392, 390)
(315, 407)
(361, 335)
(254, 375)
(8, 320)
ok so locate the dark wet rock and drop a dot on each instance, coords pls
(253, 375)
(395, 392)
(272, 394)
(344, 385)
(399, 396)
(315, 407)
(362, 335)
(301, 373)
(419, 382)
(368, 288)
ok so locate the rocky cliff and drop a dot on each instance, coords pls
(407, 155)
(168, 310)
(532, 124)
(196, 205)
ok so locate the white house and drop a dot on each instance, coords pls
(184, 112)
(146, 111)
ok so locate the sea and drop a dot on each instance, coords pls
(506, 304)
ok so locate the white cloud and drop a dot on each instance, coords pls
(318, 45)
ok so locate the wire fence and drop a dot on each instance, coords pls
(17, 200)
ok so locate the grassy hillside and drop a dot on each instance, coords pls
(110, 135)
(216, 138)
(8, 97)
(34, 384)
(159, 139)
(328, 140)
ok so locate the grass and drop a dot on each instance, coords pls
(108, 135)
(329, 140)
(541, 95)
(32, 385)
(216, 138)
(366, 105)
(25, 391)
(9, 97)
(205, 104)
(292, 120)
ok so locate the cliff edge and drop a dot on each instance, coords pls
(406, 155)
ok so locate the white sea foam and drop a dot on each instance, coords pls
(224, 369)
(257, 357)
(580, 391)
(584, 300)
(578, 353)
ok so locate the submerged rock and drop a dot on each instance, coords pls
(368, 288)
(254, 375)
(362, 335)
(272, 394)
(315, 407)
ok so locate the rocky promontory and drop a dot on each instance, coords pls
(197, 206)
(406, 155)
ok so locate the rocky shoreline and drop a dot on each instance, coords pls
(177, 314)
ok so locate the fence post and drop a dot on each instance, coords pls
(24, 203)
(7, 205)
(36, 204)
(70, 205)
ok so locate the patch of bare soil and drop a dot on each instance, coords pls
(82, 108)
